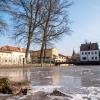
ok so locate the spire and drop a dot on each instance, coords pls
(73, 52)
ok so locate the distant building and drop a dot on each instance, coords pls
(89, 52)
(51, 54)
(69, 58)
(61, 58)
(11, 55)
(75, 56)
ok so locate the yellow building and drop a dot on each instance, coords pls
(51, 54)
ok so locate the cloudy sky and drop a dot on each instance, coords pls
(85, 25)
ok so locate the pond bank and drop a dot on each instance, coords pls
(31, 66)
(12, 87)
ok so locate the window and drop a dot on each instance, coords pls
(88, 52)
(5, 60)
(96, 58)
(92, 53)
(85, 53)
(82, 53)
(92, 58)
(95, 52)
(84, 58)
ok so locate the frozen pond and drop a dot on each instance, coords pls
(74, 80)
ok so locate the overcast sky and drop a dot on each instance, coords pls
(85, 24)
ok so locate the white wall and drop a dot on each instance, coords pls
(5, 57)
(92, 55)
(11, 58)
(17, 57)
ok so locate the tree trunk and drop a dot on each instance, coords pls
(45, 32)
(27, 50)
(41, 54)
(45, 50)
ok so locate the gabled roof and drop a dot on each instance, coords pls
(62, 55)
(12, 48)
(89, 46)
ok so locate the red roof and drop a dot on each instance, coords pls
(11, 48)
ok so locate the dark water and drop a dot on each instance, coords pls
(71, 78)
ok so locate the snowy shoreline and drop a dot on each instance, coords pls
(94, 94)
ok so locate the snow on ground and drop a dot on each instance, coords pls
(48, 88)
(93, 93)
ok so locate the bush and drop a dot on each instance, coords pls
(5, 86)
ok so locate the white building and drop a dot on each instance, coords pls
(61, 58)
(11, 55)
(89, 52)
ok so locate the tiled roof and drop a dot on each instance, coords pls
(89, 46)
(11, 48)
(62, 55)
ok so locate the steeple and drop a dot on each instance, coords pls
(73, 52)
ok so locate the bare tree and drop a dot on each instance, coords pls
(55, 22)
(3, 24)
(46, 18)
(27, 18)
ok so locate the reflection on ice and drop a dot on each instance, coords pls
(81, 82)
(15, 74)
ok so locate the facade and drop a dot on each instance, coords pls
(75, 56)
(61, 58)
(11, 55)
(51, 54)
(89, 52)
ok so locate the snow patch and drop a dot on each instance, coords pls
(48, 88)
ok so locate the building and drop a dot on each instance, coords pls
(51, 54)
(75, 56)
(89, 52)
(61, 58)
(11, 55)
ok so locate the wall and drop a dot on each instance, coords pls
(11, 58)
(50, 53)
(92, 55)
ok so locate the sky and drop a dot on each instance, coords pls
(85, 26)
(84, 16)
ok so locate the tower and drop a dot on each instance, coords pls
(73, 52)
